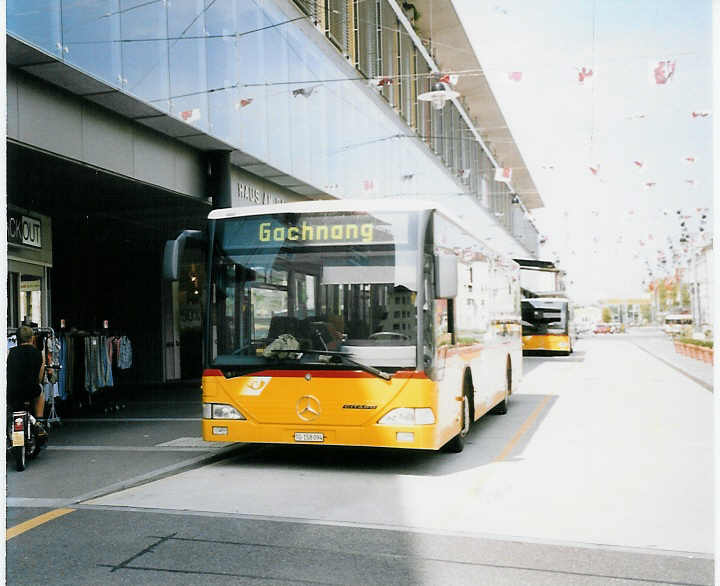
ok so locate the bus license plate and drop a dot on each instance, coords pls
(308, 437)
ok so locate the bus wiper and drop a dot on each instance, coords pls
(345, 356)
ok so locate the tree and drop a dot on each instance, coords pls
(645, 312)
(606, 315)
(685, 296)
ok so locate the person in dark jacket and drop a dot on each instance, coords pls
(25, 372)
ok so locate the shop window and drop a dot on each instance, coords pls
(31, 298)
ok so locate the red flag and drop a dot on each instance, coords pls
(663, 71)
(584, 73)
(515, 76)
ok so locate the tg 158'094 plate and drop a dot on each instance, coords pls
(301, 436)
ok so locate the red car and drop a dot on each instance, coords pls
(602, 329)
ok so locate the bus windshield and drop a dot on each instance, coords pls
(544, 316)
(296, 288)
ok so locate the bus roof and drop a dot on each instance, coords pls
(395, 204)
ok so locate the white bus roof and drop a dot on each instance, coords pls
(395, 204)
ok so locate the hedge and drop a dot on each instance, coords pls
(704, 343)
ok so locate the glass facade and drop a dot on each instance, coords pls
(255, 76)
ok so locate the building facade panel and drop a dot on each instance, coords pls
(107, 141)
(49, 119)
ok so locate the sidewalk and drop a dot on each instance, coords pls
(156, 431)
(664, 349)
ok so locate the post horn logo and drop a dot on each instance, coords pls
(308, 408)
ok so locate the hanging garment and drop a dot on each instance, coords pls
(106, 378)
(62, 374)
(125, 353)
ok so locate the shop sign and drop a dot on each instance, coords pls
(24, 230)
(255, 196)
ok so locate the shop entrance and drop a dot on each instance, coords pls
(108, 234)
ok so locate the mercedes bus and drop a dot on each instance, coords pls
(358, 323)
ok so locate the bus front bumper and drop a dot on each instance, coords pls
(423, 437)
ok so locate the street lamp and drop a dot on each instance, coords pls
(438, 95)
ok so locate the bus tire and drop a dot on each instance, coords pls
(457, 444)
(502, 407)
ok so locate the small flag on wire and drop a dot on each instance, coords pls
(689, 160)
(662, 71)
(594, 169)
(448, 78)
(306, 92)
(584, 73)
(190, 115)
(649, 185)
(700, 114)
(380, 81)
(638, 163)
(243, 102)
(515, 76)
(503, 174)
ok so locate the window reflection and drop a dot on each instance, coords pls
(91, 33)
(36, 21)
(145, 51)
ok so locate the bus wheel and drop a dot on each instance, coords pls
(502, 407)
(456, 444)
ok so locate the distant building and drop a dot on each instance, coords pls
(631, 311)
(700, 279)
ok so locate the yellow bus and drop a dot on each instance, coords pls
(547, 326)
(358, 323)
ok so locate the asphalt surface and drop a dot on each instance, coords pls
(154, 440)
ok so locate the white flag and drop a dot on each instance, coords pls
(190, 115)
(503, 174)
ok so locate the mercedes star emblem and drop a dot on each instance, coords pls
(308, 408)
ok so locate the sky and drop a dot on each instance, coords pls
(616, 155)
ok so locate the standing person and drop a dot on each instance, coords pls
(25, 372)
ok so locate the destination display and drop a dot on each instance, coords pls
(314, 230)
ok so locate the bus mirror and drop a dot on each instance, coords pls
(446, 275)
(173, 251)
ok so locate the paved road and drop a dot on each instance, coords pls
(599, 474)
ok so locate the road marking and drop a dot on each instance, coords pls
(32, 523)
(525, 426)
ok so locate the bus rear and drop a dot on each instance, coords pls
(547, 326)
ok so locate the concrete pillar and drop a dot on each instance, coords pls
(219, 185)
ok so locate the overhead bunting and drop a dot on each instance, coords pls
(662, 71)
(503, 174)
(191, 115)
(583, 74)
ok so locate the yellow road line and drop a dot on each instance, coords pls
(34, 522)
(525, 426)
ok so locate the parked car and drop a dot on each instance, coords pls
(601, 329)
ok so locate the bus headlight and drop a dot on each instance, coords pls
(220, 411)
(408, 416)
